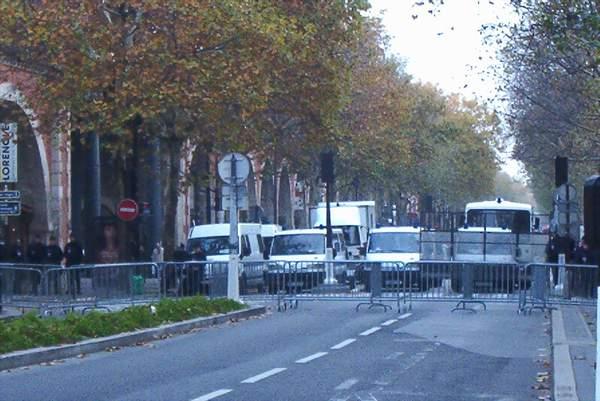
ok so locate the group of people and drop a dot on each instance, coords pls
(39, 253)
(47, 256)
(574, 254)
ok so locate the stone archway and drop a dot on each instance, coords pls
(32, 171)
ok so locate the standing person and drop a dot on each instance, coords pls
(35, 255)
(196, 275)
(36, 251)
(176, 273)
(16, 255)
(158, 253)
(54, 256)
(73, 258)
(583, 256)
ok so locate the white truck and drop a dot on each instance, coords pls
(355, 219)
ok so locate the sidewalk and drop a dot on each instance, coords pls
(574, 353)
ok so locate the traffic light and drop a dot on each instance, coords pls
(327, 167)
(428, 204)
(561, 170)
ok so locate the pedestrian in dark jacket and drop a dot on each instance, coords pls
(17, 254)
(73, 258)
(54, 255)
(36, 251)
(583, 255)
(73, 252)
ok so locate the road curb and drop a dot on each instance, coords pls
(46, 354)
(564, 375)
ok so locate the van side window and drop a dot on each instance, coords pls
(261, 244)
(245, 245)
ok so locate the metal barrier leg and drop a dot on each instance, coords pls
(467, 278)
(376, 284)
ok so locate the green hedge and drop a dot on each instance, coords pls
(31, 331)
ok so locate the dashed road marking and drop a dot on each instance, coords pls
(370, 331)
(406, 315)
(394, 355)
(311, 357)
(263, 375)
(389, 322)
(346, 384)
(344, 343)
(214, 394)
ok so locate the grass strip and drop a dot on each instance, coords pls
(31, 331)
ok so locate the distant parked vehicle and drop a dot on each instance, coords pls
(268, 231)
(213, 239)
(355, 219)
(394, 248)
(297, 257)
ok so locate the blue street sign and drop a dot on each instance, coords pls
(10, 208)
(10, 195)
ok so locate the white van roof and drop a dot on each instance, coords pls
(349, 203)
(395, 229)
(498, 204)
(220, 230)
(302, 231)
(268, 230)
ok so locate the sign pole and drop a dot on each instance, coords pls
(233, 287)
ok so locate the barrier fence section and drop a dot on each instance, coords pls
(183, 279)
(369, 283)
(51, 289)
(21, 286)
(466, 283)
(558, 284)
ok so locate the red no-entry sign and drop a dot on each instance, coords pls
(127, 210)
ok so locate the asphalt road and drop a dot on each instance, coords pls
(321, 351)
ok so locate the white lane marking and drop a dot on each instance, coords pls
(344, 343)
(311, 357)
(406, 315)
(394, 355)
(389, 322)
(214, 394)
(263, 375)
(346, 384)
(370, 331)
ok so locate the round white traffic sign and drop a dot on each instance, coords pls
(236, 162)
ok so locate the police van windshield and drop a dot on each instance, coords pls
(210, 245)
(394, 243)
(514, 220)
(298, 244)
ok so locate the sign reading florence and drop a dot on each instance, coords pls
(8, 152)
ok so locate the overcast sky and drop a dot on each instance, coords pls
(446, 48)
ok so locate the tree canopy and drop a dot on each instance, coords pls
(286, 79)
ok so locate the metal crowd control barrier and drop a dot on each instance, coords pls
(369, 283)
(182, 279)
(465, 283)
(103, 286)
(557, 284)
(21, 285)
